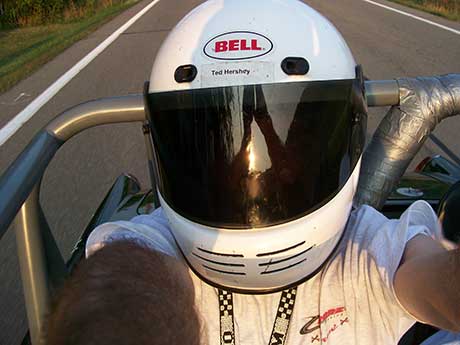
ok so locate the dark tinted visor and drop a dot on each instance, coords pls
(257, 155)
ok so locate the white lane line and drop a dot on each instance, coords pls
(413, 16)
(20, 119)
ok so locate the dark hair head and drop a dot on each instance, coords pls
(125, 294)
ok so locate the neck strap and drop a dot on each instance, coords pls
(280, 327)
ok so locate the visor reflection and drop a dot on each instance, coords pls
(253, 155)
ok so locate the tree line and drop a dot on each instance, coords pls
(450, 6)
(17, 13)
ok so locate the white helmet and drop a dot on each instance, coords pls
(258, 121)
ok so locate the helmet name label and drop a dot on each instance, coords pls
(237, 45)
(236, 73)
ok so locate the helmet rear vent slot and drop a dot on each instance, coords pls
(281, 250)
(285, 259)
(225, 272)
(217, 262)
(220, 254)
(282, 268)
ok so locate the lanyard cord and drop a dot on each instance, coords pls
(280, 327)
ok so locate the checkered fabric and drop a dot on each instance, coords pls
(227, 327)
(283, 316)
(280, 328)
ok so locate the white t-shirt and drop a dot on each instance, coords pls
(350, 301)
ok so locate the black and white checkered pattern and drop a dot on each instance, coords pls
(227, 327)
(283, 316)
(280, 328)
(286, 306)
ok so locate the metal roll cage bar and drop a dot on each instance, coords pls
(41, 263)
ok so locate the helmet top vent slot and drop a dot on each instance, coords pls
(295, 66)
(217, 262)
(271, 262)
(185, 73)
(220, 254)
(281, 250)
(225, 272)
(282, 268)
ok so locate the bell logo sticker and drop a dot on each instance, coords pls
(238, 45)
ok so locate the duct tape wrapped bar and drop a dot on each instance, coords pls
(424, 102)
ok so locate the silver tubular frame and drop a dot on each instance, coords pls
(32, 262)
(20, 186)
(382, 93)
(19, 198)
(98, 112)
(424, 103)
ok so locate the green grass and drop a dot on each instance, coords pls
(449, 9)
(24, 50)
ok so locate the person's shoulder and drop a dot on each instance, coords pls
(150, 230)
(365, 221)
(420, 213)
(384, 240)
(156, 219)
(419, 217)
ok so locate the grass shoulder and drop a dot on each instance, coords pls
(449, 9)
(23, 50)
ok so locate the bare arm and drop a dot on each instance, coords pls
(126, 294)
(427, 283)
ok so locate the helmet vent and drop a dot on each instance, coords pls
(295, 66)
(225, 272)
(271, 262)
(220, 254)
(281, 250)
(282, 268)
(217, 262)
(185, 73)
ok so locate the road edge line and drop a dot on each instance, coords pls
(7, 131)
(413, 16)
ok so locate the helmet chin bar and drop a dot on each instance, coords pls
(264, 260)
(264, 290)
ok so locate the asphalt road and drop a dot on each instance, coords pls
(387, 44)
